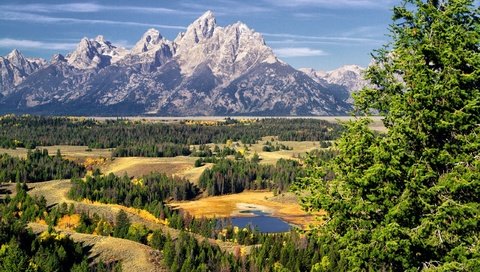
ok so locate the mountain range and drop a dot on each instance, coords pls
(206, 70)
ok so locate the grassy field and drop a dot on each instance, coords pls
(137, 166)
(376, 125)
(55, 192)
(298, 149)
(286, 208)
(78, 153)
(133, 256)
(138, 257)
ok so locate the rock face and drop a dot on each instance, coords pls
(207, 70)
(14, 68)
(349, 77)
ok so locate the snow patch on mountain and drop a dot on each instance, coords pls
(95, 53)
(349, 76)
(15, 68)
(207, 70)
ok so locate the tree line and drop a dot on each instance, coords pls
(290, 251)
(235, 176)
(156, 150)
(409, 200)
(38, 166)
(31, 131)
(22, 250)
(137, 193)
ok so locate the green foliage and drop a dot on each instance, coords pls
(122, 225)
(21, 250)
(409, 200)
(157, 239)
(234, 176)
(186, 254)
(122, 190)
(142, 137)
(156, 150)
(270, 147)
(38, 166)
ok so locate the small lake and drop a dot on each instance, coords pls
(262, 221)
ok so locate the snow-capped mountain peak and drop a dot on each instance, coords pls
(227, 51)
(100, 39)
(15, 56)
(15, 67)
(151, 51)
(200, 30)
(96, 53)
(86, 56)
(209, 69)
(150, 39)
(350, 77)
(204, 26)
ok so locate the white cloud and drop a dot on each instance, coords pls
(30, 44)
(36, 18)
(288, 52)
(323, 39)
(86, 8)
(332, 3)
(226, 7)
(45, 8)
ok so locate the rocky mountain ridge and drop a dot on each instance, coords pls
(349, 77)
(206, 70)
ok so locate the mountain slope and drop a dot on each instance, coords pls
(347, 78)
(207, 70)
(15, 68)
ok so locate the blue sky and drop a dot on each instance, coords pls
(321, 34)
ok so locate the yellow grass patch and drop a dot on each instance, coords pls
(228, 205)
(41, 222)
(91, 162)
(143, 214)
(138, 166)
(69, 221)
(77, 153)
(203, 122)
(140, 212)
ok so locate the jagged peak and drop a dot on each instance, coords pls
(84, 40)
(150, 39)
(241, 26)
(208, 15)
(100, 39)
(57, 58)
(350, 67)
(153, 34)
(14, 55)
(200, 29)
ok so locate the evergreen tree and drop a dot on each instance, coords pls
(122, 225)
(410, 200)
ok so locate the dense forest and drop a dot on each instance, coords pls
(22, 250)
(409, 200)
(271, 252)
(52, 251)
(156, 150)
(235, 176)
(32, 131)
(405, 200)
(38, 166)
(137, 193)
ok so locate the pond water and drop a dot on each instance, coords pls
(262, 221)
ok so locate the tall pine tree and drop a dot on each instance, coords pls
(410, 200)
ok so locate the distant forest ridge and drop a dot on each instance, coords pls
(31, 131)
